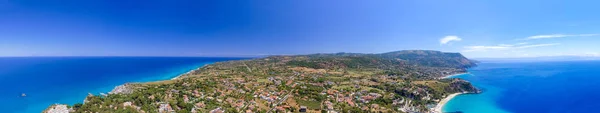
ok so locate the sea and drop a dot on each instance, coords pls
(531, 87)
(68, 80)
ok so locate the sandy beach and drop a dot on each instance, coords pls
(178, 76)
(449, 76)
(186, 73)
(440, 105)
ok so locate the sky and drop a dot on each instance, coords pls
(475, 28)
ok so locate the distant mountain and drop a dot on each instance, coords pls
(432, 58)
(427, 58)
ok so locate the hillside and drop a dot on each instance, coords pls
(401, 81)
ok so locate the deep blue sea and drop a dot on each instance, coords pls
(68, 80)
(531, 87)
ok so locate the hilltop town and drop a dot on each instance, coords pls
(402, 81)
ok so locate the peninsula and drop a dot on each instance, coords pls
(400, 81)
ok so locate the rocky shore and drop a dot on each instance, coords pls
(58, 108)
(126, 88)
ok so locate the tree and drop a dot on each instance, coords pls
(77, 106)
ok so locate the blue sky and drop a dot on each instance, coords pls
(476, 28)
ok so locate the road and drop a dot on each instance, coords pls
(281, 101)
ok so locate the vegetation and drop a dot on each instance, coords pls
(402, 81)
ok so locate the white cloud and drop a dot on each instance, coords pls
(538, 45)
(557, 36)
(486, 48)
(592, 54)
(522, 43)
(546, 36)
(505, 47)
(448, 39)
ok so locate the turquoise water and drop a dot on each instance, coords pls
(476, 103)
(531, 87)
(67, 80)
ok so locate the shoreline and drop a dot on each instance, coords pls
(123, 87)
(453, 75)
(439, 107)
(190, 71)
(186, 73)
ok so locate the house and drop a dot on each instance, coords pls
(329, 105)
(280, 109)
(127, 104)
(218, 110)
(165, 108)
(199, 105)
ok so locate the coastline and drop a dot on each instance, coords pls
(116, 80)
(438, 108)
(189, 72)
(186, 73)
(124, 89)
(452, 75)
